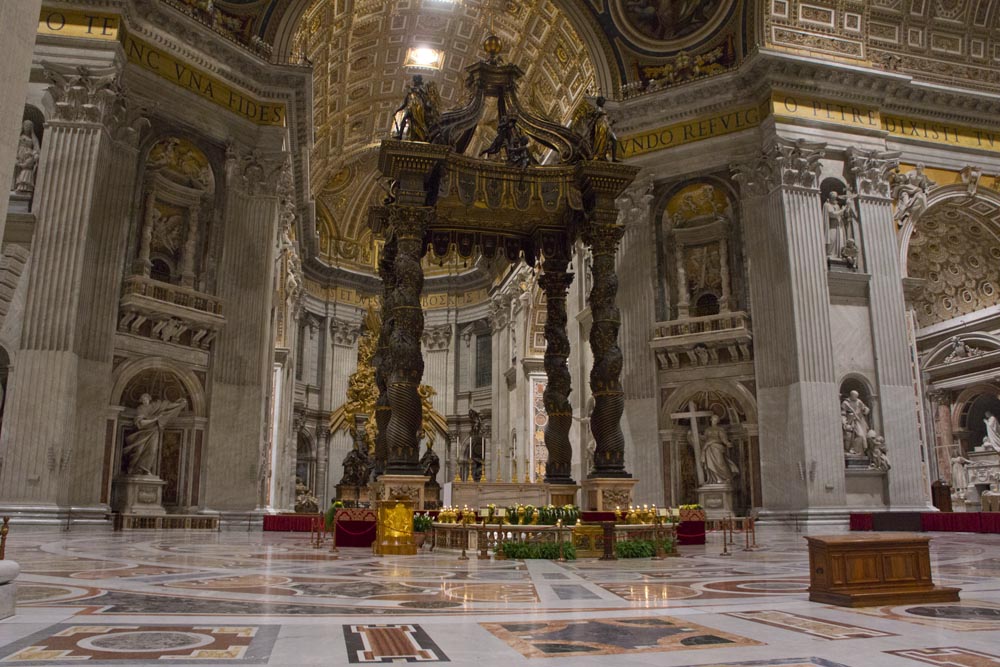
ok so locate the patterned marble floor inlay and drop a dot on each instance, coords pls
(390, 643)
(814, 627)
(965, 616)
(951, 656)
(611, 636)
(133, 643)
(783, 662)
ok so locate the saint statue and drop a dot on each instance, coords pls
(876, 452)
(603, 139)
(854, 423)
(142, 448)
(840, 218)
(715, 455)
(476, 448)
(418, 113)
(430, 464)
(356, 468)
(959, 476)
(992, 439)
(910, 192)
(26, 162)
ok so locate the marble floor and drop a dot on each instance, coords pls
(251, 598)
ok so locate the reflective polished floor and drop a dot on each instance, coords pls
(252, 598)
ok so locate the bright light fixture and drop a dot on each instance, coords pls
(423, 56)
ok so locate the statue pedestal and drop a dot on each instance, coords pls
(138, 494)
(604, 494)
(563, 494)
(856, 461)
(717, 499)
(347, 493)
(432, 495)
(400, 487)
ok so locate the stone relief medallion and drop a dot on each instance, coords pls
(669, 24)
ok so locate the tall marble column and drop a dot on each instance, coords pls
(796, 381)
(53, 440)
(605, 376)
(409, 224)
(241, 359)
(908, 483)
(555, 281)
(940, 428)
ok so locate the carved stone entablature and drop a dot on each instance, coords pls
(170, 313)
(255, 173)
(437, 338)
(344, 333)
(703, 341)
(783, 162)
(872, 171)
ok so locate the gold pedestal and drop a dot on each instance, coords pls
(394, 530)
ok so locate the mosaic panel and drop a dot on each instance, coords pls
(814, 627)
(390, 644)
(951, 656)
(611, 637)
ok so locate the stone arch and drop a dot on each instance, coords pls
(984, 342)
(131, 370)
(740, 394)
(954, 246)
(967, 409)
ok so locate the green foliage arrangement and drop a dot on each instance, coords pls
(543, 516)
(695, 506)
(543, 550)
(641, 548)
(421, 523)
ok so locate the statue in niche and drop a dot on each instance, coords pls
(418, 113)
(992, 438)
(26, 161)
(430, 464)
(142, 448)
(305, 501)
(854, 423)
(840, 219)
(715, 461)
(910, 191)
(594, 124)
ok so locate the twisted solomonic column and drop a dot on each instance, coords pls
(382, 359)
(605, 376)
(556, 281)
(409, 223)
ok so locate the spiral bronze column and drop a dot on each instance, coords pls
(605, 376)
(382, 360)
(555, 281)
(409, 224)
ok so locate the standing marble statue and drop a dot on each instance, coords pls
(992, 439)
(26, 162)
(477, 450)
(840, 218)
(909, 191)
(142, 448)
(719, 469)
(430, 463)
(854, 423)
(959, 475)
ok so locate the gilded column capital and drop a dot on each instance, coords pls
(872, 171)
(604, 239)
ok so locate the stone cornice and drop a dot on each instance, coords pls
(773, 70)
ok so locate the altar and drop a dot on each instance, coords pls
(501, 494)
(983, 474)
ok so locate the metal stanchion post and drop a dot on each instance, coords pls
(725, 542)
(465, 543)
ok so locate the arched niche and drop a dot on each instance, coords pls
(305, 460)
(697, 401)
(178, 190)
(968, 414)
(699, 250)
(183, 438)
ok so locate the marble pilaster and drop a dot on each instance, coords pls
(907, 478)
(797, 391)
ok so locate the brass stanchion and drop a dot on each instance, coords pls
(753, 533)
(465, 543)
(559, 536)
(4, 529)
(725, 542)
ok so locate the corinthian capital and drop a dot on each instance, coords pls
(871, 171)
(783, 163)
(84, 95)
(255, 173)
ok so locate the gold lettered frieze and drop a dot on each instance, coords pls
(689, 131)
(855, 115)
(89, 25)
(199, 82)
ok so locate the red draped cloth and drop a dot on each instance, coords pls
(862, 521)
(951, 522)
(989, 522)
(355, 527)
(296, 523)
(691, 532)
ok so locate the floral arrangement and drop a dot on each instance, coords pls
(421, 523)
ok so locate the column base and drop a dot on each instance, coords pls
(604, 494)
(138, 494)
(8, 589)
(399, 487)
